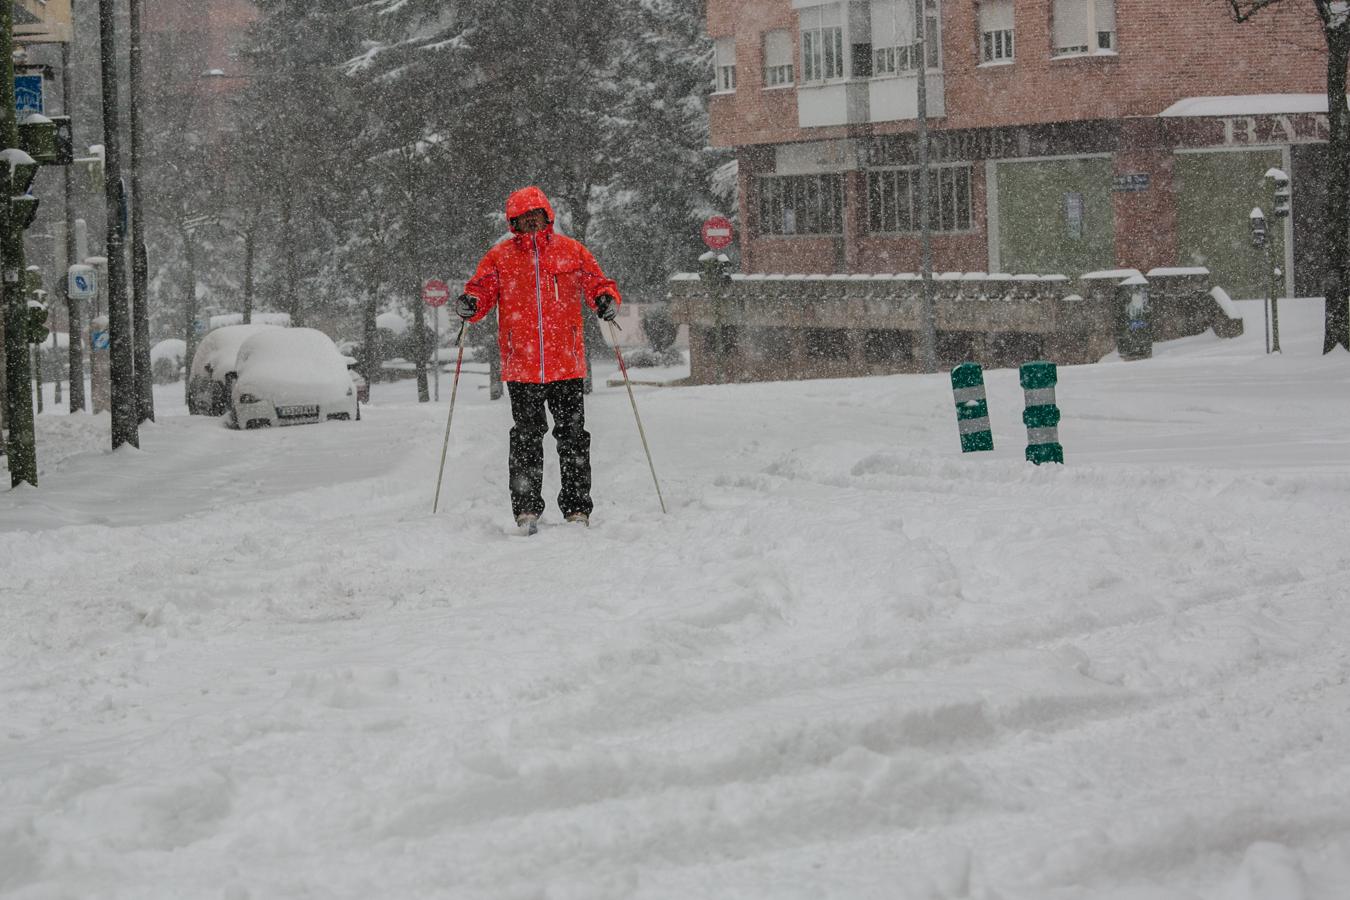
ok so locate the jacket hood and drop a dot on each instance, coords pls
(526, 199)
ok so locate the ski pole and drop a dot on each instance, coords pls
(450, 417)
(614, 335)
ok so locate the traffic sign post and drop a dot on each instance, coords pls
(436, 293)
(718, 233)
(82, 282)
(28, 96)
(100, 376)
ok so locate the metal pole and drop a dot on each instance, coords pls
(56, 395)
(449, 417)
(125, 417)
(642, 433)
(1274, 301)
(74, 307)
(1265, 307)
(436, 349)
(22, 442)
(145, 388)
(929, 333)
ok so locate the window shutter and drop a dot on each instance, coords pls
(777, 48)
(892, 23)
(1106, 15)
(1071, 27)
(725, 50)
(996, 15)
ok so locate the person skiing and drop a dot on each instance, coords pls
(538, 280)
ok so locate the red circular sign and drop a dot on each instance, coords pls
(717, 232)
(435, 292)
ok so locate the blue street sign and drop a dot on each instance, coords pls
(99, 340)
(28, 95)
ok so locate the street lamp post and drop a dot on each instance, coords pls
(929, 330)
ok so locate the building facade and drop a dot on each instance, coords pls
(191, 51)
(1066, 136)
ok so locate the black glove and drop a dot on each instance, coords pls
(605, 307)
(466, 306)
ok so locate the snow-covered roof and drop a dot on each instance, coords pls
(1247, 105)
(258, 318)
(169, 348)
(1166, 271)
(1225, 302)
(1109, 275)
(391, 321)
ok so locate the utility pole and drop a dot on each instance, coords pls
(74, 307)
(145, 387)
(22, 444)
(929, 338)
(122, 357)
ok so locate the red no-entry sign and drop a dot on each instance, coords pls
(435, 292)
(717, 233)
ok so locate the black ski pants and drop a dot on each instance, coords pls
(526, 461)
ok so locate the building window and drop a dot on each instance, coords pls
(996, 30)
(801, 204)
(889, 347)
(1084, 26)
(827, 344)
(777, 58)
(893, 194)
(724, 64)
(822, 43)
(895, 43)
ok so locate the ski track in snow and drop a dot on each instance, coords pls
(848, 664)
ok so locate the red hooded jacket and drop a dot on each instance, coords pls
(538, 282)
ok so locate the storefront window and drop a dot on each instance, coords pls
(801, 204)
(893, 194)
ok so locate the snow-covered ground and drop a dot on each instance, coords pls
(850, 662)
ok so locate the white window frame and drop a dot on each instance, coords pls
(996, 31)
(1095, 35)
(779, 56)
(724, 65)
(889, 58)
(823, 50)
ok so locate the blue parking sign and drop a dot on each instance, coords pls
(28, 95)
(99, 340)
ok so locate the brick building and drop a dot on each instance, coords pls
(1066, 136)
(191, 48)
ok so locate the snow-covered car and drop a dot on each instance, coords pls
(291, 376)
(213, 368)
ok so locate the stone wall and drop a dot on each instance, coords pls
(778, 327)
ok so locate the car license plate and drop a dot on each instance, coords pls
(297, 412)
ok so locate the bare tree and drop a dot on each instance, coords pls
(1335, 20)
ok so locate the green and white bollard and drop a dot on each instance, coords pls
(972, 409)
(1041, 415)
